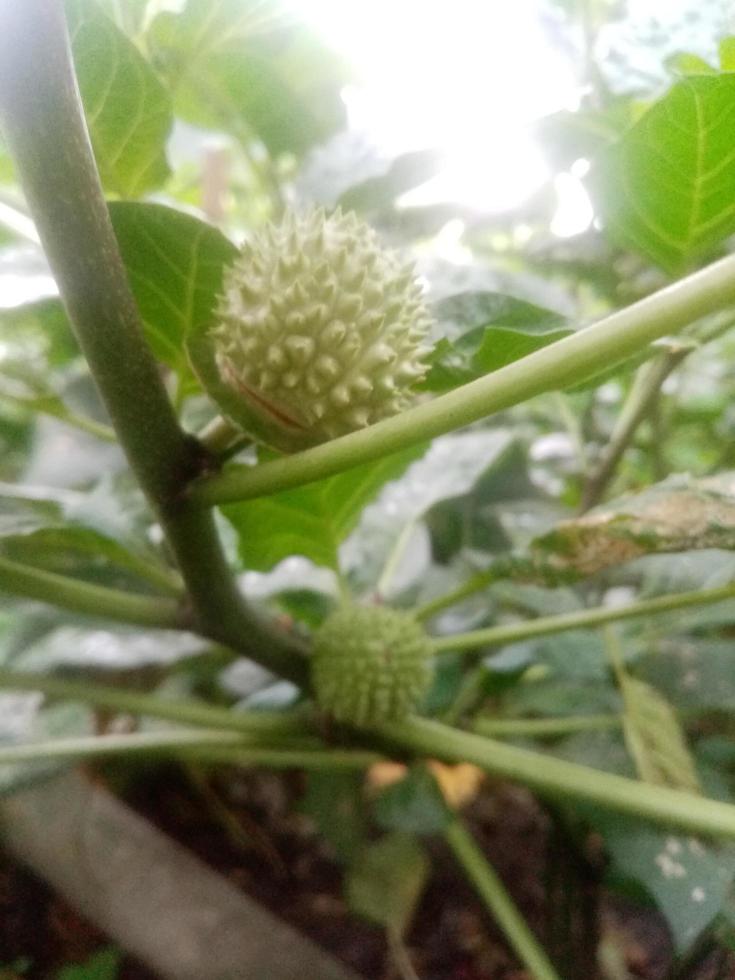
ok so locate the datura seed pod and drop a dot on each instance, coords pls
(370, 664)
(319, 331)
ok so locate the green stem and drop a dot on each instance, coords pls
(92, 600)
(545, 727)
(43, 123)
(137, 703)
(213, 746)
(585, 618)
(473, 584)
(291, 758)
(499, 903)
(645, 390)
(568, 361)
(565, 780)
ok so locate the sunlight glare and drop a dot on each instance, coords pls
(467, 77)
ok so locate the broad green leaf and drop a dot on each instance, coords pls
(667, 187)
(98, 534)
(385, 883)
(484, 332)
(694, 673)
(314, 520)
(128, 110)
(688, 878)
(727, 53)
(413, 805)
(249, 66)
(175, 264)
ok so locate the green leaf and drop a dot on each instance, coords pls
(103, 965)
(405, 172)
(386, 881)
(655, 738)
(98, 534)
(334, 802)
(678, 514)
(249, 66)
(727, 53)
(37, 333)
(414, 804)
(485, 331)
(689, 879)
(128, 110)
(175, 264)
(667, 187)
(313, 520)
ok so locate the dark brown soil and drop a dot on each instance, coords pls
(248, 827)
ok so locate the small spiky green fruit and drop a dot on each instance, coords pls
(370, 664)
(320, 330)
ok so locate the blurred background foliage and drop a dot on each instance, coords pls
(542, 165)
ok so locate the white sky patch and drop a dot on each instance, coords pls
(466, 77)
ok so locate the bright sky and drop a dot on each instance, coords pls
(465, 76)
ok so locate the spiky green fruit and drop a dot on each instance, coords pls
(370, 664)
(319, 331)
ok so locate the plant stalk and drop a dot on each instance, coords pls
(585, 618)
(148, 705)
(558, 778)
(92, 600)
(43, 123)
(566, 362)
(501, 906)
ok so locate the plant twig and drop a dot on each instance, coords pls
(643, 394)
(92, 600)
(499, 903)
(584, 618)
(272, 723)
(545, 727)
(565, 362)
(43, 124)
(213, 746)
(565, 780)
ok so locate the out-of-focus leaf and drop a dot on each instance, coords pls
(96, 533)
(693, 673)
(103, 965)
(414, 804)
(37, 333)
(450, 469)
(314, 520)
(23, 721)
(128, 110)
(484, 332)
(380, 191)
(385, 883)
(678, 514)
(335, 803)
(114, 649)
(249, 66)
(666, 188)
(688, 878)
(175, 264)
(687, 63)
(654, 736)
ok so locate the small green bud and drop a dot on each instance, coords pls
(319, 331)
(370, 664)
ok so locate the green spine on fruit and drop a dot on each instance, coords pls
(370, 664)
(320, 330)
